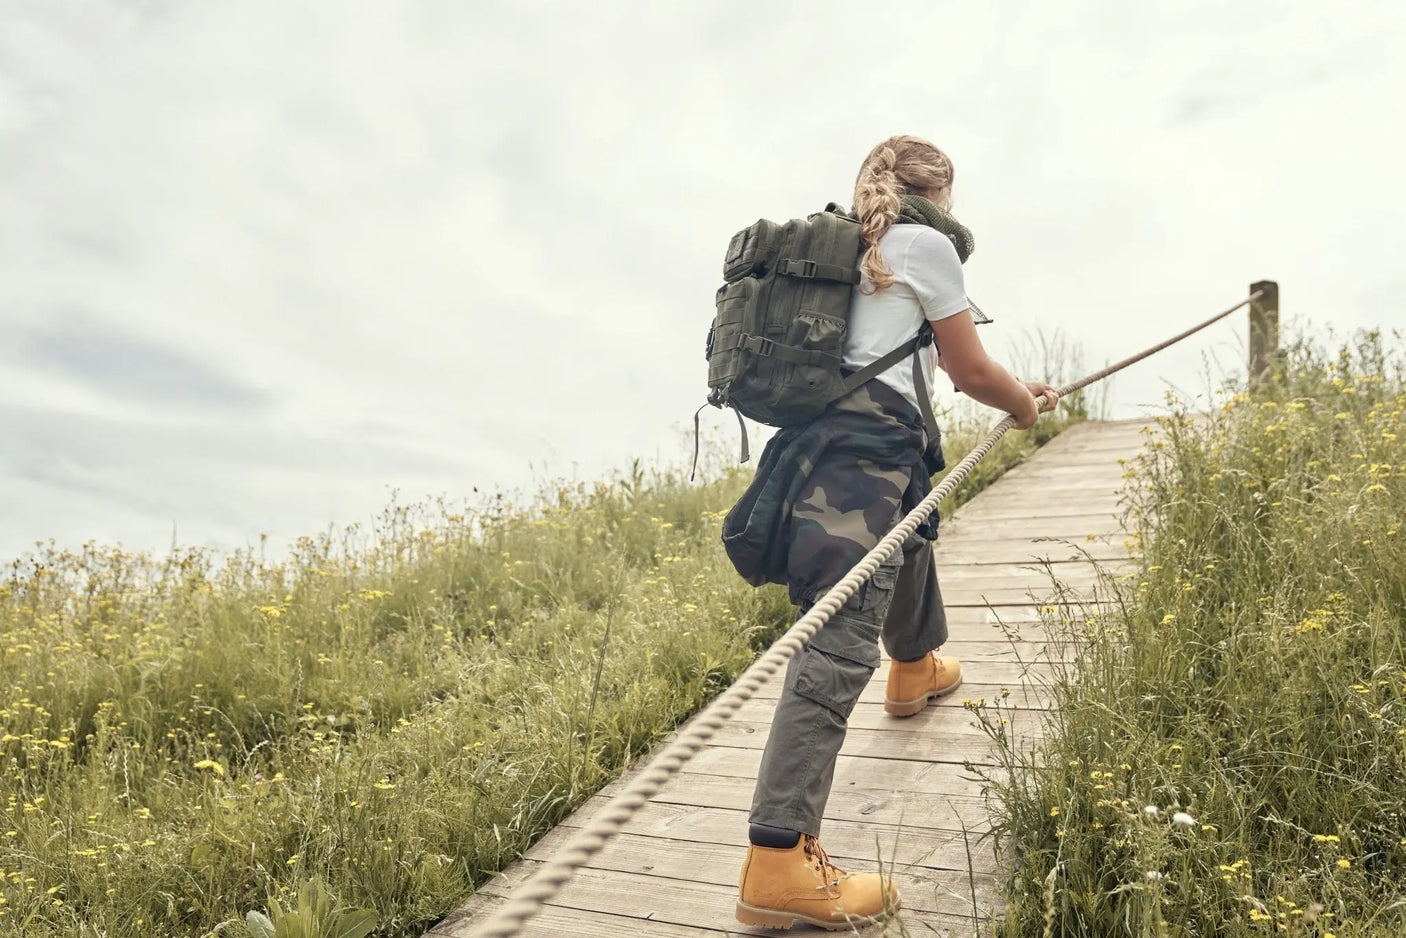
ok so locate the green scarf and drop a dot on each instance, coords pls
(915, 208)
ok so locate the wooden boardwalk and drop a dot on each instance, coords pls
(900, 790)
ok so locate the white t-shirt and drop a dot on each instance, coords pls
(928, 284)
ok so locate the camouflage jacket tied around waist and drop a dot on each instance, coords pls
(873, 425)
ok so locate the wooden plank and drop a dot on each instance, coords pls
(989, 621)
(1071, 569)
(976, 650)
(1005, 547)
(951, 812)
(941, 722)
(909, 845)
(720, 862)
(898, 743)
(1082, 579)
(1032, 551)
(1042, 597)
(692, 901)
(1035, 514)
(1000, 673)
(1013, 693)
(1073, 526)
(1092, 466)
(853, 772)
(557, 922)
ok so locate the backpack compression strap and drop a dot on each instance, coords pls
(810, 270)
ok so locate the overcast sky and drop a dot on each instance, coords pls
(262, 263)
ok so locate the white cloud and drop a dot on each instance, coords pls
(476, 240)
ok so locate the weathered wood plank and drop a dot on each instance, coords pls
(940, 810)
(1080, 577)
(1030, 614)
(558, 922)
(856, 841)
(856, 772)
(694, 900)
(1070, 570)
(1000, 649)
(1031, 551)
(880, 744)
(940, 723)
(1012, 674)
(1014, 693)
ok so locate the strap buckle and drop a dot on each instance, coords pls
(793, 267)
(757, 344)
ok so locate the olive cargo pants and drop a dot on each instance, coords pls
(900, 605)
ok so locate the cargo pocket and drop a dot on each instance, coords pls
(834, 683)
(871, 601)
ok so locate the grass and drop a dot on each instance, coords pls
(396, 712)
(1230, 741)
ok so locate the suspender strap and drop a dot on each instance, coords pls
(808, 270)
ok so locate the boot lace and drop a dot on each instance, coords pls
(830, 874)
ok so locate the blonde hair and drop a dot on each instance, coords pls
(899, 166)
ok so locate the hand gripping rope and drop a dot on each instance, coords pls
(529, 899)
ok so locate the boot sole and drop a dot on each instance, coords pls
(761, 917)
(906, 708)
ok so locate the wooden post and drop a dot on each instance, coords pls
(1264, 330)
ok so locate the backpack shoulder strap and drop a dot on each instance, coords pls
(880, 365)
(920, 386)
(913, 346)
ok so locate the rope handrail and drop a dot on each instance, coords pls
(529, 899)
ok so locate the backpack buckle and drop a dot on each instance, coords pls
(757, 345)
(805, 269)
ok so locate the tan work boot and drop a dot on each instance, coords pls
(781, 886)
(913, 683)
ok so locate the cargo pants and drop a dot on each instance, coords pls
(846, 507)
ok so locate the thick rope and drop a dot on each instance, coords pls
(529, 899)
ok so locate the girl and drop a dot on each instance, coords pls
(853, 473)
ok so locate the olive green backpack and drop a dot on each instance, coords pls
(782, 312)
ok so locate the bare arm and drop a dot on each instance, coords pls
(965, 360)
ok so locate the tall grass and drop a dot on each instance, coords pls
(397, 712)
(1229, 749)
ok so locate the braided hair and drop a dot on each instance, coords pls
(899, 166)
